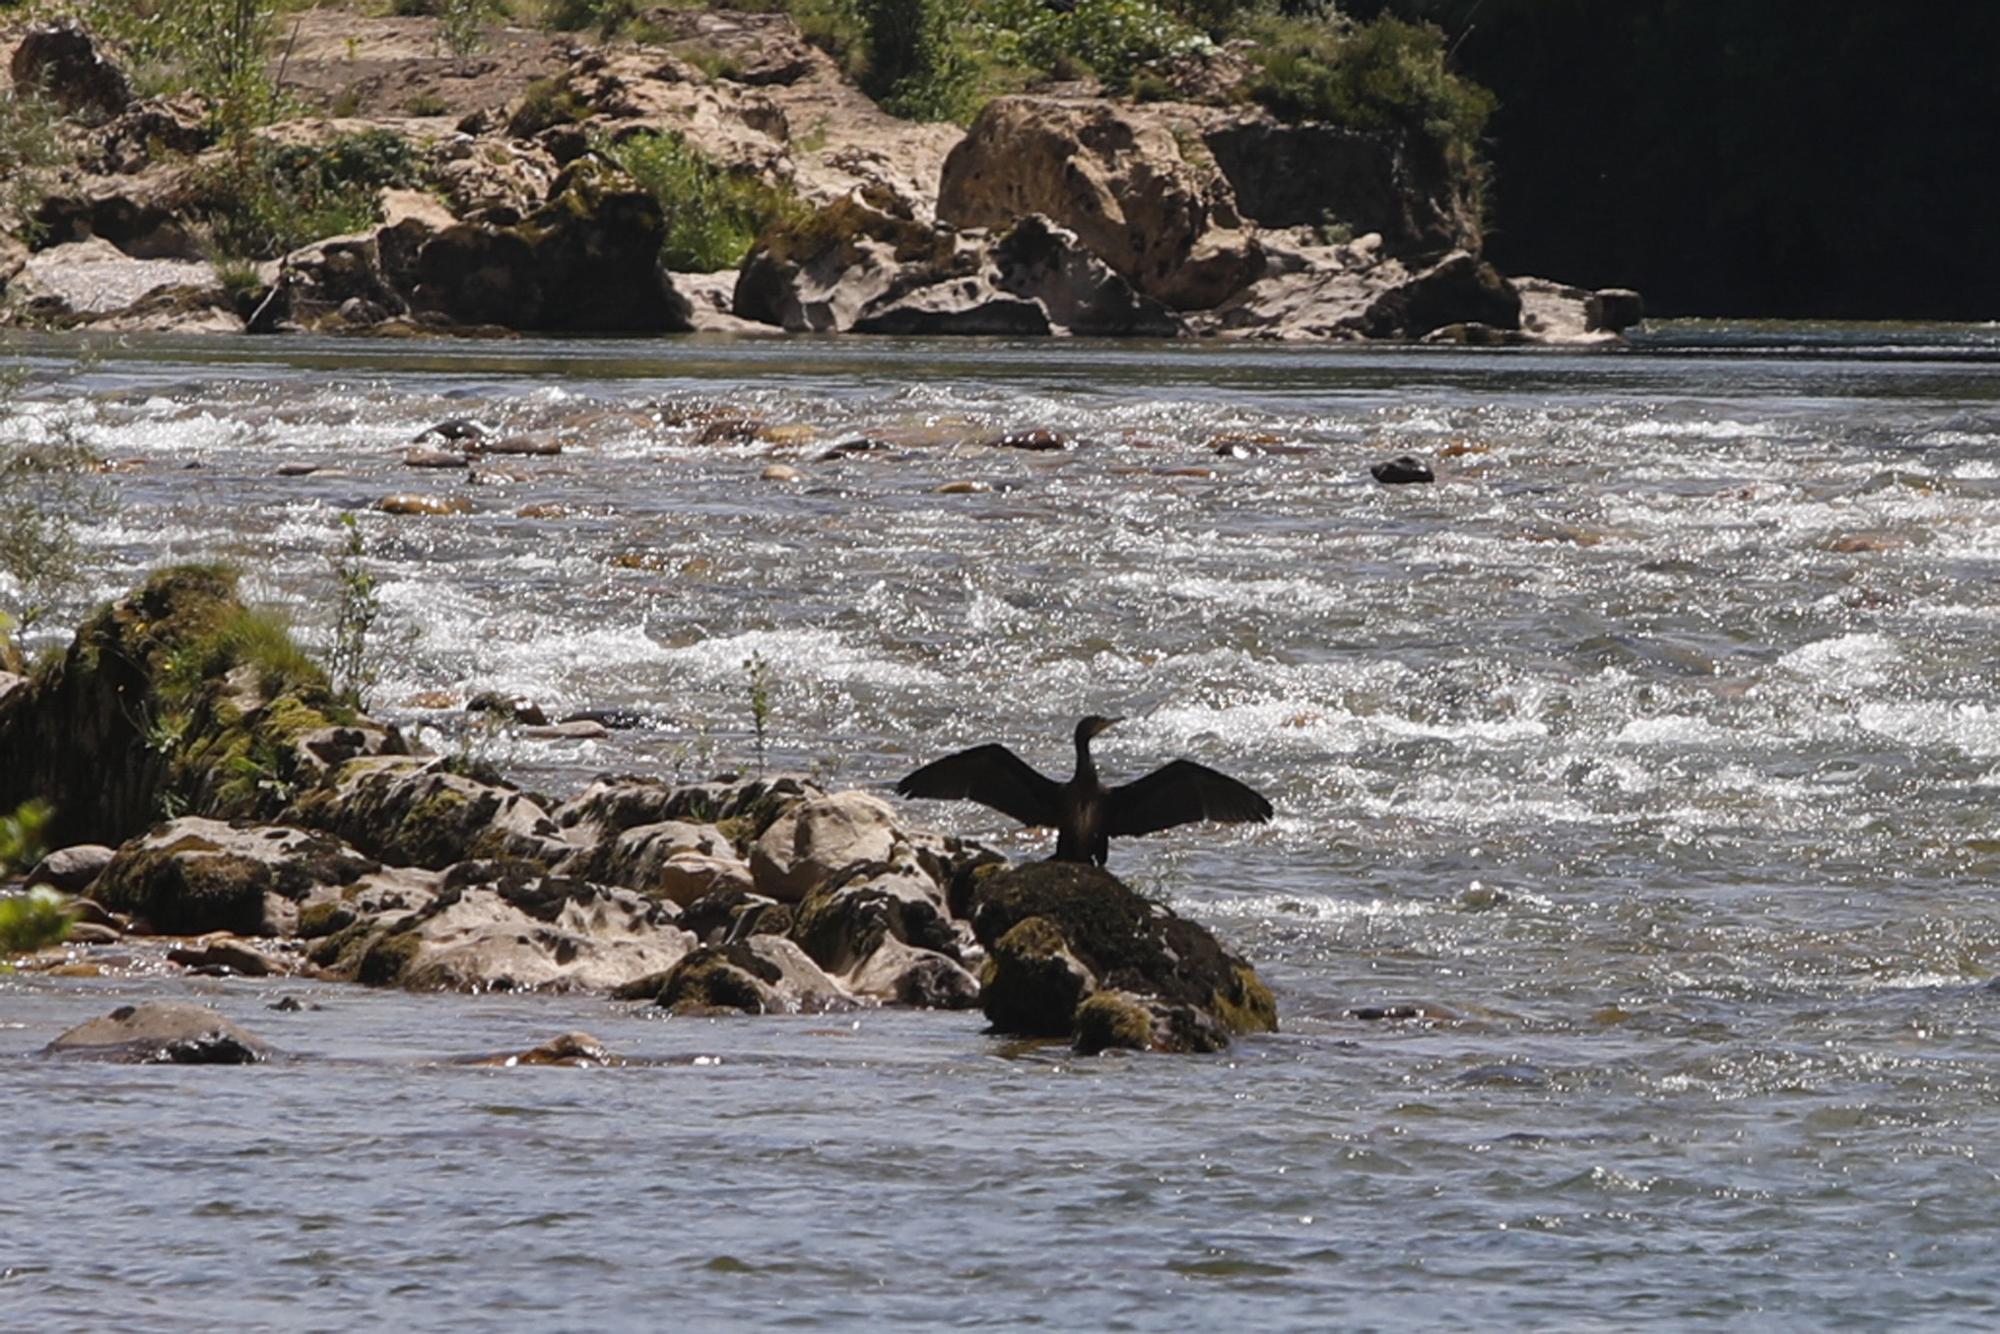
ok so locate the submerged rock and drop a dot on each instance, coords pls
(1403, 470)
(162, 1033)
(574, 1050)
(1056, 933)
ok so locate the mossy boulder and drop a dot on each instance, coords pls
(1119, 1019)
(1059, 932)
(176, 698)
(195, 875)
(1032, 982)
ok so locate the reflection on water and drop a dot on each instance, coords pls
(1651, 757)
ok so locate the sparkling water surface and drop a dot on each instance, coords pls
(1651, 759)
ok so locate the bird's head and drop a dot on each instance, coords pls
(1092, 725)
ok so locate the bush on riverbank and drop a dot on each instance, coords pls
(1385, 75)
(713, 214)
(275, 198)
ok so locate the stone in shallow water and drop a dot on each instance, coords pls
(162, 1033)
(406, 503)
(576, 1050)
(71, 869)
(1402, 471)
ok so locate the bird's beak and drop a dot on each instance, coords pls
(1109, 723)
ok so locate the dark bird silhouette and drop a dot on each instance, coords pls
(1086, 814)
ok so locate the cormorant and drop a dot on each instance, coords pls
(1085, 813)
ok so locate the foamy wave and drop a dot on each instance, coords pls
(1846, 662)
(820, 655)
(1972, 728)
(1673, 730)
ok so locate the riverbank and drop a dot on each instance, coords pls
(545, 185)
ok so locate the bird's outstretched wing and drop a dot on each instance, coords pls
(1180, 793)
(991, 775)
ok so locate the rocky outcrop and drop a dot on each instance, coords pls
(115, 731)
(1350, 293)
(862, 266)
(62, 62)
(161, 1033)
(1119, 182)
(1316, 175)
(306, 824)
(501, 926)
(760, 975)
(1061, 935)
(587, 261)
(417, 811)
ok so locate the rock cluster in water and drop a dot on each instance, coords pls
(308, 838)
(1047, 215)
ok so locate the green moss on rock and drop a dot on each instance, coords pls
(1125, 943)
(184, 891)
(1031, 982)
(386, 958)
(176, 698)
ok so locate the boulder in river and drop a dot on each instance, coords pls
(502, 926)
(415, 811)
(808, 845)
(1056, 933)
(161, 1033)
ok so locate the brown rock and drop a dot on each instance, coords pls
(812, 842)
(1115, 179)
(414, 504)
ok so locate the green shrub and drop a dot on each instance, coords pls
(30, 921)
(49, 487)
(834, 26)
(353, 663)
(28, 145)
(915, 66)
(1114, 39)
(713, 214)
(545, 102)
(21, 836)
(212, 47)
(1382, 75)
(278, 197)
(606, 16)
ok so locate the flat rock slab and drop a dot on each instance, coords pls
(162, 1033)
(95, 278)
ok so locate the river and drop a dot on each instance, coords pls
(1651, 758)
